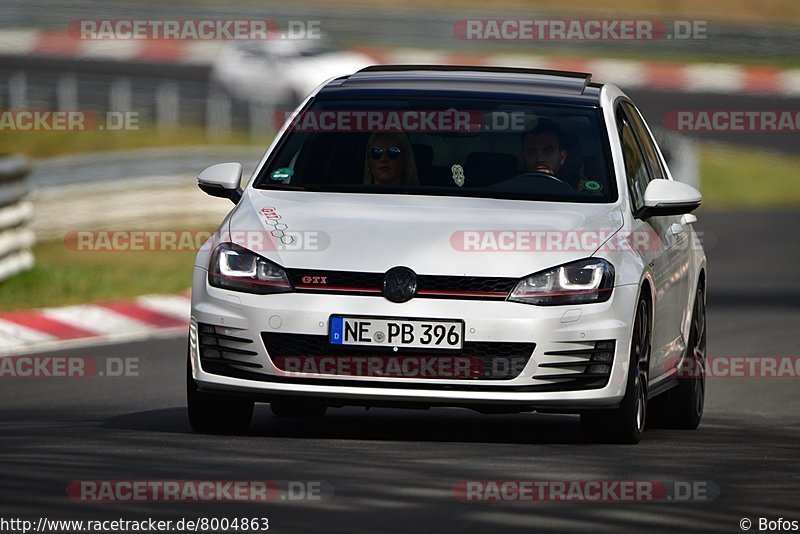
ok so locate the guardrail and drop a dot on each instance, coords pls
(16, 212)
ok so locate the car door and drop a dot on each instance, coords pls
(679, 253)
(681, 250)
(661, 250)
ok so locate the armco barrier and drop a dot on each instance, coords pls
(16, 236)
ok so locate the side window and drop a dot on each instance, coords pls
(645, 141)
(636, 170)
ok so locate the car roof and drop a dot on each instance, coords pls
(468, 82)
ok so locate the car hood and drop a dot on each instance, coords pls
(431, 235)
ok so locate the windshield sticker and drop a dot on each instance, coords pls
(284, 174)
(592, 185)
(458, 174)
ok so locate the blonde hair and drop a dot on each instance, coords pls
(409, 176)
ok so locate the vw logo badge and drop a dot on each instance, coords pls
(399, 284)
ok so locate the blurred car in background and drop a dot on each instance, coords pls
(281, 72)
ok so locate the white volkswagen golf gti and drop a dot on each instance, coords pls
(505, 240)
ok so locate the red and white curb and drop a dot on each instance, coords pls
(142, 318)
(686, 77)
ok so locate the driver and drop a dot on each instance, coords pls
(542, 149)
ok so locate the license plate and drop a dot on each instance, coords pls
(411, 333)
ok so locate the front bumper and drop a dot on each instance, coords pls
(556, 329)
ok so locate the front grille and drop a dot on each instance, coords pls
(335, 281)
(477, 360)
(428, 286)
(567, 370)
(221, 346)
(588, 367)
(480, 287)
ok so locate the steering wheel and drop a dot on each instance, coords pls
(538, 174)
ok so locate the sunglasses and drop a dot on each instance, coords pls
(393, 152)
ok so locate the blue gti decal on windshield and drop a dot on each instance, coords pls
(336, 330)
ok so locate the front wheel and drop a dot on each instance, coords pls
(216, 414)
(682, 406)
(625, 424)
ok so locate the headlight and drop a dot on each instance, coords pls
(579, 282)
(234, 267)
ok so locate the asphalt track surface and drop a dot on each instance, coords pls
(394, 470)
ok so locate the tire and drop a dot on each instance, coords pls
(216, 414)
(682, 406)
(293, 407)
(626, 423)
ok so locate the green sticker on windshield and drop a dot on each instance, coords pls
(281, 175)
(591, 185)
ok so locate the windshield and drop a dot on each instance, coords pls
(456, 147)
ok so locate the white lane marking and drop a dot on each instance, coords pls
(96, 319)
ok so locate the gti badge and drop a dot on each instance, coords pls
(314, 280)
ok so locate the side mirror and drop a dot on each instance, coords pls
(222, 180)
(667, 197)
